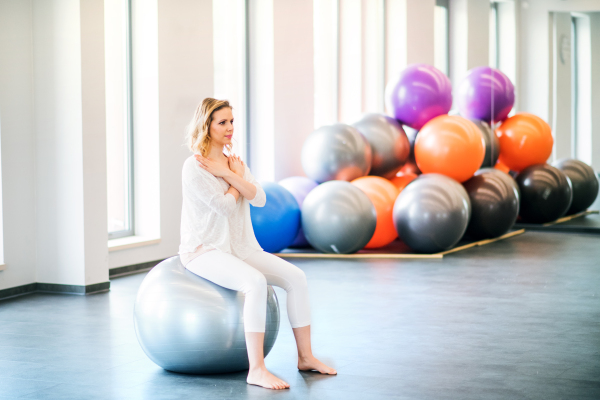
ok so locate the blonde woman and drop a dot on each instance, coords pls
(218, 242)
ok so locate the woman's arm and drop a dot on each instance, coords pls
(244, 188)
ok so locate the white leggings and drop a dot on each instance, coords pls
(251, 276)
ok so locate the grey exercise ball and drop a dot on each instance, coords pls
(492, 144)
(389, 144)
(336, 152)
(432, 213)
(338, 217)
(411, 164)
(494, 199)
(583, 180)
(187, 324)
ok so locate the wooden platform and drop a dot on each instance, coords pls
(395, 250)
(583, 222)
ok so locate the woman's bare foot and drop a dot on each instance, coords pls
(262, 377)
(312, 364)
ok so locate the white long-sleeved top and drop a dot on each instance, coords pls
(212, 219)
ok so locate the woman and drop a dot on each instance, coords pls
(218, 243)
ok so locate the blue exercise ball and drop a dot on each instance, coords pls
(276, 224)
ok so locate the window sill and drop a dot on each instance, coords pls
(2, 267)
(130, 242)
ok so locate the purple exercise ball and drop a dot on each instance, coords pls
(486, 94)
(421, 92)
(299, 187)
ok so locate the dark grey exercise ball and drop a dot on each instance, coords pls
(432, 213)
(411, 164)
(338, 217)
(187, 324)
(389, 144)
(492, 144)
(494, 199)
(546, 193)
(583, 180)
(336, 152)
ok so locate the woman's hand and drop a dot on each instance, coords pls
(236, 165)
(215, 168)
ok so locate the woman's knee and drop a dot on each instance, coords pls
(297, 279)
(256, 283)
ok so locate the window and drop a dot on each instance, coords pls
(119, 121)
(349, 58)
(326, 43)
(494, 36)
(230, 64)
(581, 88)
(441, 33)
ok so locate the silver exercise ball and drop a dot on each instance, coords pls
(187, 324)
(336, 152)
(388, 141)
(338, 217)
(492, 144)
(432, 213)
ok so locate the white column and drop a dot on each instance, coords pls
(68, 74)
(18, 144)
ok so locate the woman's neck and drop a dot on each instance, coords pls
(216, 153)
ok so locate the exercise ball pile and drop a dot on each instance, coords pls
(424, 176)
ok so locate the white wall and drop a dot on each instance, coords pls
(18, 143)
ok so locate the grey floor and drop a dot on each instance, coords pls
(514, 319)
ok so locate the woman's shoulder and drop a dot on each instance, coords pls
(192, 168)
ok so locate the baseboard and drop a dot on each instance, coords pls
(17, 291)
(132, 269)
(54, 288)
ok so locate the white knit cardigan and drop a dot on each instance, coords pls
(212, 218)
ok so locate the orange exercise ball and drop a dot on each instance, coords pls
(382, 194)
(402, 179)
(450, 145)
(525, 140)
(501, 167)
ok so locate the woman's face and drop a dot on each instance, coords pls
(221, 127)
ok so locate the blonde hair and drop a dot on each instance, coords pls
(198, 131)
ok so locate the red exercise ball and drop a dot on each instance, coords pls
(525, 140)
(450, 145)
(382, 194)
